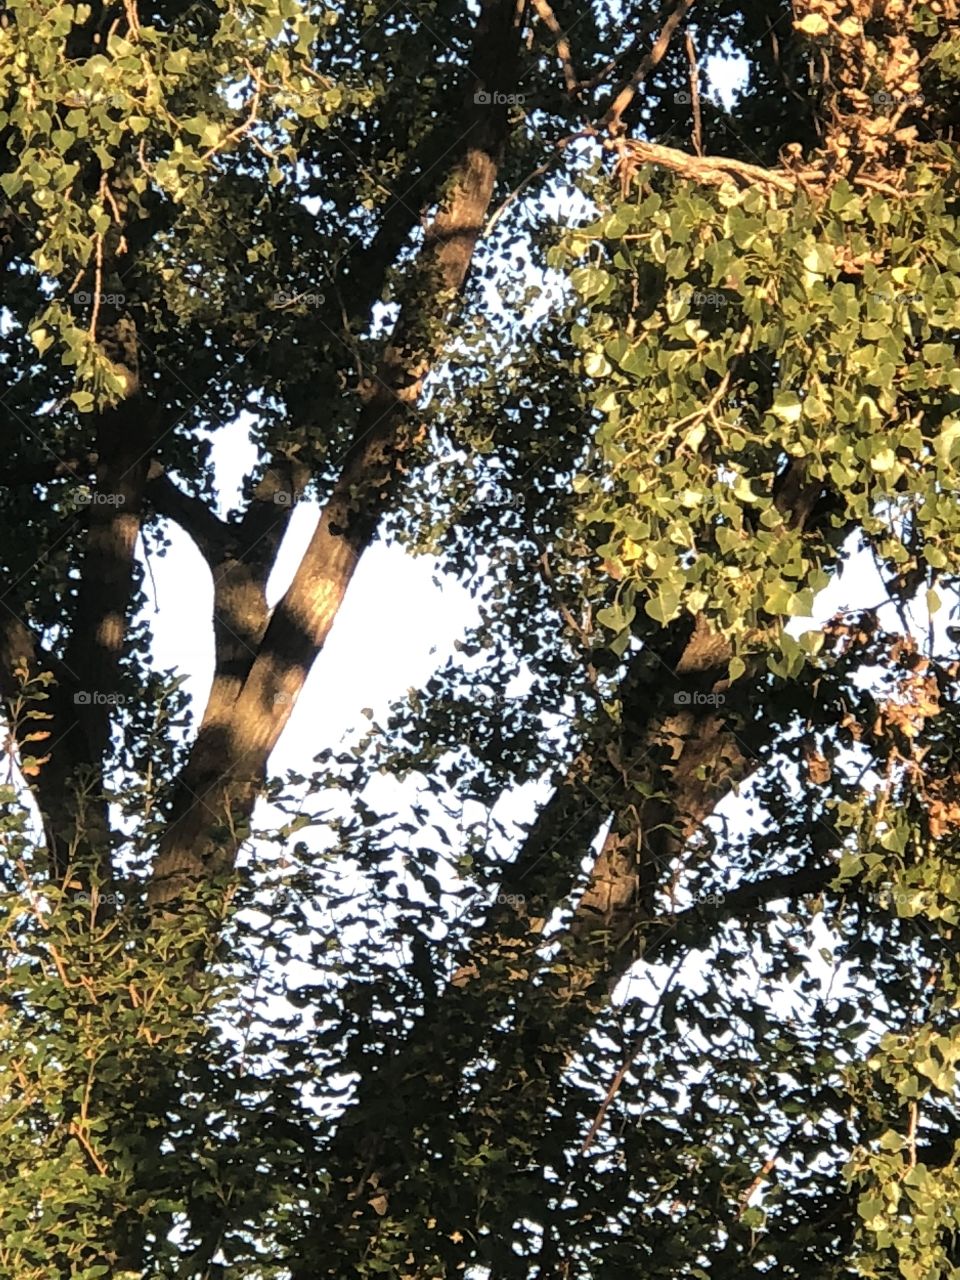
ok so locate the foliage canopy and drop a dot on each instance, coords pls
(656, 377)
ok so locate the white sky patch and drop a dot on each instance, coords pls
(726, 76)
(396, 626)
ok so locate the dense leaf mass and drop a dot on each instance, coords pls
(627, 944)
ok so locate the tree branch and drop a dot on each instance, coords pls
(96, 644)
(549, 20)
(74, 820)
(686, 929)
(124, 437)
(622, 99)
(228, 761)
(240, 575)
(77, 467)
(208, 532)
(708, 170)
(646, 28)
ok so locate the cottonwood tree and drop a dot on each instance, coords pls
(648, 432)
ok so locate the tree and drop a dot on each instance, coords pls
(727, 377)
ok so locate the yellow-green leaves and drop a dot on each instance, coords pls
(102, 131)
(740, 338)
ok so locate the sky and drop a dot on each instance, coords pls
(395, 627)
(399, 622)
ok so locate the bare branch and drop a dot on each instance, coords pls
(697, 138)
(614, 113)
(628, 1061)
(549, 20)
(699, 922)
(709, 170)
(645, 30)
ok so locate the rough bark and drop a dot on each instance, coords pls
(64, 785)
(685, 762)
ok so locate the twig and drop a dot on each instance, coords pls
(569, 619)
(81, 1137)
(694, 419)
(61, 968)
(531, 177)
(612, 119)
(549, 20)
(646, 28)
(243, 128)
(631, 1057)
(620, 103)
(874, 184)
(97, 288)
(133, 21)
(768, 1166)
(109, 197)
(697, 136)
(111, 200)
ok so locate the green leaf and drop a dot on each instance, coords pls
(663, 608)
(42, 339)
(615, 617)
(589, 281)
(735, 668)
(787, 406)
(83, 400)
